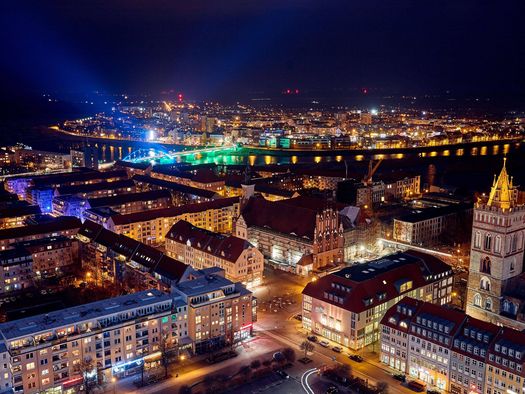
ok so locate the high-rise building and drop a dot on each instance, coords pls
(496, 291)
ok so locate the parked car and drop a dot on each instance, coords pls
(356, 357)
(312, 338)
(298, 317)
(324, 343)
(337, 349)
(400, 377)
(417, 386)
(282, 374)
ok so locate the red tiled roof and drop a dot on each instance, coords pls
(284, 218)
(172, 212)
(406, 302)
(378, 281)
(225, 247)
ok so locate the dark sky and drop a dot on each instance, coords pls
(228, 49)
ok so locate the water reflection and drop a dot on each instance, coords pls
(117, 151)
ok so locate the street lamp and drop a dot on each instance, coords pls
(114, 381)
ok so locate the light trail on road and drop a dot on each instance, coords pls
(304, 380)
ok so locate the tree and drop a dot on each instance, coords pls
(245, 371)
(382, 388)
(289, 354)
(343, 370)
(307, 346)
(92, 375)
(165, 351)
(255, 364)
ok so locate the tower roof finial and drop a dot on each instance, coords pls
(502, 192)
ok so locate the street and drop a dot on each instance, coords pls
(279, 301)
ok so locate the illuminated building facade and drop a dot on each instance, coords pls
(347, 306)
(299, 235)
(119, 334)
(451, 351)
(151, 227)
(496, 289)
(220, 312)
(200, 248)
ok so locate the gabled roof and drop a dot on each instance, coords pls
(295, 216)
(129, 197)
(225, 247)
(363, 286)
(176, 187)
(174, 211)
(91, 187)
(69, 177)
(60, 223)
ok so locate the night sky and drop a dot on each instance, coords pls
(235, 49)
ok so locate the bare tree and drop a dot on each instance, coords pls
(289, 354)
(255, 364)
(307, 346)
(85, 368)
(245, 371)
(165, 352)
(343, 370)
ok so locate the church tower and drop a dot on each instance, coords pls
(496, 254)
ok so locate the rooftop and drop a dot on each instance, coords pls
(226, 247)
(129, 197)
(49, 321)
(174, 211)
(60, 223)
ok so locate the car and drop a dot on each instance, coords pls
(324, 343)
(399, 376)
(337, 349)
(312, 338)
(417, 386)
(332, 390)
(356, 357)
(298, 317)
(282, 374)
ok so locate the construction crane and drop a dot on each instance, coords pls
(168, 107)
(367, 180)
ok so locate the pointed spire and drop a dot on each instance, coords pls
(502, 192)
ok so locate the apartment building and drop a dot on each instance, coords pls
(201, 248)
(16, 271)
(114, 258)
(151, 227)
(133, 202)
(43, 353)
(347, 306)
(201, 178)
(52, 256)
(181, 194)
(425, 228)
(219, 311)
(451, 351)
(99, 189)
(65, 225)
(16, 215)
